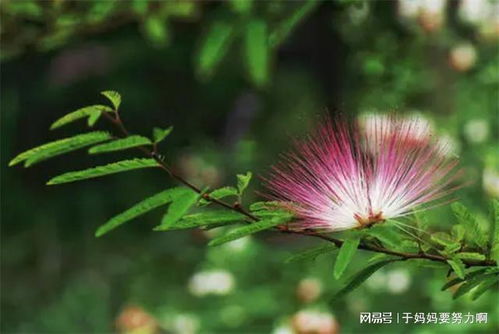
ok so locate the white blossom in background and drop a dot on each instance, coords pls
(462, 57)
(476, 130)
(409, 8)
(314, 322)
(429, 13)
(309, 289)
(448, 145)
(215, 282)
(490, 181)
(238, 245)
(474, 11)
(377, 281)
(185, 324)
(484, 14)
(398, 281)
(283, 329)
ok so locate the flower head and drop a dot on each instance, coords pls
(349, 176)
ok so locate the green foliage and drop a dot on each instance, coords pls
(179, 207)
(214, 47)
(474, 233)
(205, 219)
(311, 253)
(140, 208)
(359, 278)
(243, 181)
(120, 144)
(471, 283)
(442, 238)
(59, 147)
(160, 134)
(112, 168)
(92, 112)
(494, 225)
(485, 285)
(220, 193)
(345, 255)
(284, 28)
(257, 51)
(246, 230)
(470, 256)
(114, 97)
(156, 30)
(458, 266)
(386, 234)
(241, 6)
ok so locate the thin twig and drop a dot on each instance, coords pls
(237, 207)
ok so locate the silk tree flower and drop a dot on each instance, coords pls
(334, 180)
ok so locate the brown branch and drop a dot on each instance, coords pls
(237, 207)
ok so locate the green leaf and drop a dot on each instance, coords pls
(241, 6)
(283, 29)
(282, 214)
(59, 147)
(345, 255)
(243, 181)
(470, 256)
(205, 219)
(159, 134)
(220, 193)
(386, 234)
(458, 232)
(458, 266)
(93, 118)
(257, 52)
(114, 97)
(181, 204)
(485, 285)
(357, 279)
(90, 112)
(311, 253)
(443, 239)
(120, 144)
(112, 168)
(494, 224)
(245, 230)
(214, 47)
(138, 209)
(473, 231)
(468, 276)
(452, 248)
(257, 206)
(156, 30)
(470, 284)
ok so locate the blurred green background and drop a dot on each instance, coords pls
(238, 80)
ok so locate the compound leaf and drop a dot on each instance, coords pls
(182, 202)
(138, 209)
(345, 255)
(92, 112)
(207, 218)
(59, 147)
(311, 253)
(114, 97)
(112, 168)
(245, 230)
(357, 279)
(159, 134)
(120, 144)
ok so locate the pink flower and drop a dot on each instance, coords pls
(345, 177)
